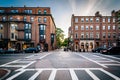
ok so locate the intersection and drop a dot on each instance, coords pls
(60, 65)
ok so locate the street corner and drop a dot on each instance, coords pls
(3, 73)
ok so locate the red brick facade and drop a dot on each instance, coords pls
(24, 27)
(89, 32)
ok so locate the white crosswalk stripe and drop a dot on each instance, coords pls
(73, 75)
(52, 76)
(35, 75)
(71, 71)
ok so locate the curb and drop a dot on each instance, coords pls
(8, 72)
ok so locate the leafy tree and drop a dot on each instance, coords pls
(59, 36)
(65, 43)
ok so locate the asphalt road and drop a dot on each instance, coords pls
(60, 65)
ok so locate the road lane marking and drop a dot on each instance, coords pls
(112, 64)
(107, 59)
(14, 66)
(45, 56)
(14, 76)
(93, 76)
(52, 75)
(23, 67)
(92, 60)
(110, 74)
(35, 75)
(73, 75)
(9, 63)
(111, 56)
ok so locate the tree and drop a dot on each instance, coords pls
(65, 43)
(59, 36)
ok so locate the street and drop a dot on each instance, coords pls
(61, 65)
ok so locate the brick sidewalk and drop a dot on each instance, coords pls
(3, 73)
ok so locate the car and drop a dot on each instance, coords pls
(31, 50)
(65, 49)
(11, 50)
(98, 49)
(111, 50)
(2, 51)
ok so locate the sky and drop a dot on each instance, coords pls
(62, 10)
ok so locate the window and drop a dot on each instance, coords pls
(86, 19)
(103, 27)
(108, 19)
(39, 19)
(14, 11)
(87, 28)
(27, 35)
(11, 18)
(45, 12)
(91, 35)
(12, 35)
(114, 27)
(103, 19)
(25, 18)
(76, 20)
(3, 18)
(97, 35)
(97, 19)
(91, 19)
(42, 37)
(76, 27)
(31, 19)
(42, 32)
(82, 27)
(119, 27)
(82, 19)
(2, 11)
(28, 11)
(104, 35)
(113, 19)
(1, 36)
(91, 27)
(42, 27)
(45, 20)
(27, 26)
(39, 11)
(108, 35)
(97, 27)
(114, 35)
(108, 27)
(82, 35)
(76, 35)
(1, 26)
(87, 35)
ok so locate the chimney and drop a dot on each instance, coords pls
(113, 13)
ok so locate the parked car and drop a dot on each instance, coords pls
(112, 50)
(31, 50)
(98, 49)
(65, 49)
(11, 50)
(2, 51)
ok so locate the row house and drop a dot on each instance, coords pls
(89, 32)
(22, 27)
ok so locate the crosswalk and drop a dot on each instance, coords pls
(72, 72)
(55, 73)
(102, 61)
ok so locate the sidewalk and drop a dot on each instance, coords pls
(3, 73)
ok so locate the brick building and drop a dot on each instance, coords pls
(22, 27)
(89, 32)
